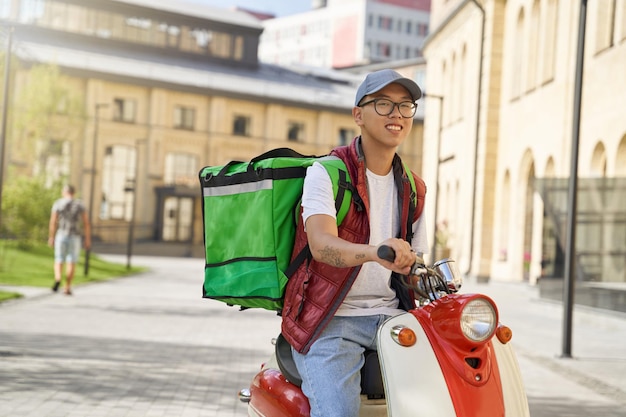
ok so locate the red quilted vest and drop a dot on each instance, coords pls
(316, 290)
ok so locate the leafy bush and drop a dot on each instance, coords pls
(26, 205)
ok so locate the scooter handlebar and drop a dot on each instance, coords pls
(387, 253)
(430, 282)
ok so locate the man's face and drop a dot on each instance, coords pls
(390, 130)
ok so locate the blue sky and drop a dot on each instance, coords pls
(278, 7)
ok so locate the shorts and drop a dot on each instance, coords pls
(67, 248)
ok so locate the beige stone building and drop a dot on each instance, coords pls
(166, 89)
(504, 72)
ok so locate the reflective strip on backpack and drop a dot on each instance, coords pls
(249, 187)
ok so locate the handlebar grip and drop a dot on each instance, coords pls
(387, 253)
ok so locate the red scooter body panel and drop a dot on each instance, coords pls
(475, 390)
(273, 396)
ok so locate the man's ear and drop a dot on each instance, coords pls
(357, 115)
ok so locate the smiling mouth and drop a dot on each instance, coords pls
(396, 128)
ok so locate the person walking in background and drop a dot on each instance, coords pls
(65, 236)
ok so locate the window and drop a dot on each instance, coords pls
(623, 21)
(221, 45)
(620, 159)
(454, 70)
(384, 50)
(422, 29)
(238, 48)
(518, 57)
(534, 46)
(241, 126)
(124, 110)
(184, 117)
(5, 8)
(180, 168)
(444, 105)
(345, 136)
(385, 22)
(605, 21)
(177, 219)
(295, 132)
(117, 173)
(598, 161)
(72, 16)
(503, 238)
(53, 159)
(461, 84)
(549, 41)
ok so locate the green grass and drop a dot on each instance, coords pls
(9, 295)
(33, 266)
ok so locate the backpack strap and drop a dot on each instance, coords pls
(280, 153)
(343, 191)
(406, 298)
(412, 204)
(304, 254)
(340, 180)
(412, 181)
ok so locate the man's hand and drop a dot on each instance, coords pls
(404, 256)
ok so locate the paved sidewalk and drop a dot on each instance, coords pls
(149, 346)
(142, 346)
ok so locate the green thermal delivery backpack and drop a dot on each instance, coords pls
(250, 212)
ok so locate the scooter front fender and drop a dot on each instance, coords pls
(426, 380)
(514, 392)
(414, 383)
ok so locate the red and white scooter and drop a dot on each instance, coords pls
(448, 357)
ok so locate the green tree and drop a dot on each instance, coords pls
(26, 205)
(47, 125)
(48, 103)
(48, 120)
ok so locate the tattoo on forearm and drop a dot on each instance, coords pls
(359, 256)
(332, 257)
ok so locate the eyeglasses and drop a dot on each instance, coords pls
(384, 107)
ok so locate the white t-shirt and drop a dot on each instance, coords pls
(371, 293)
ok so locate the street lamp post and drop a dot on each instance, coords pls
(133, 188)
(570, 253)
(5, 107)
(98, 106)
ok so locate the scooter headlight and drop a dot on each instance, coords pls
(478, 320)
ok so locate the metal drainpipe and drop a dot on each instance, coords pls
(478, 113)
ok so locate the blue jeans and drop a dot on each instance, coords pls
(331, 370)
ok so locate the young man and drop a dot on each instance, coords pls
(64, 235)
(335, 303)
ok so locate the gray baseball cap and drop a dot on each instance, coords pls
(376, 81)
